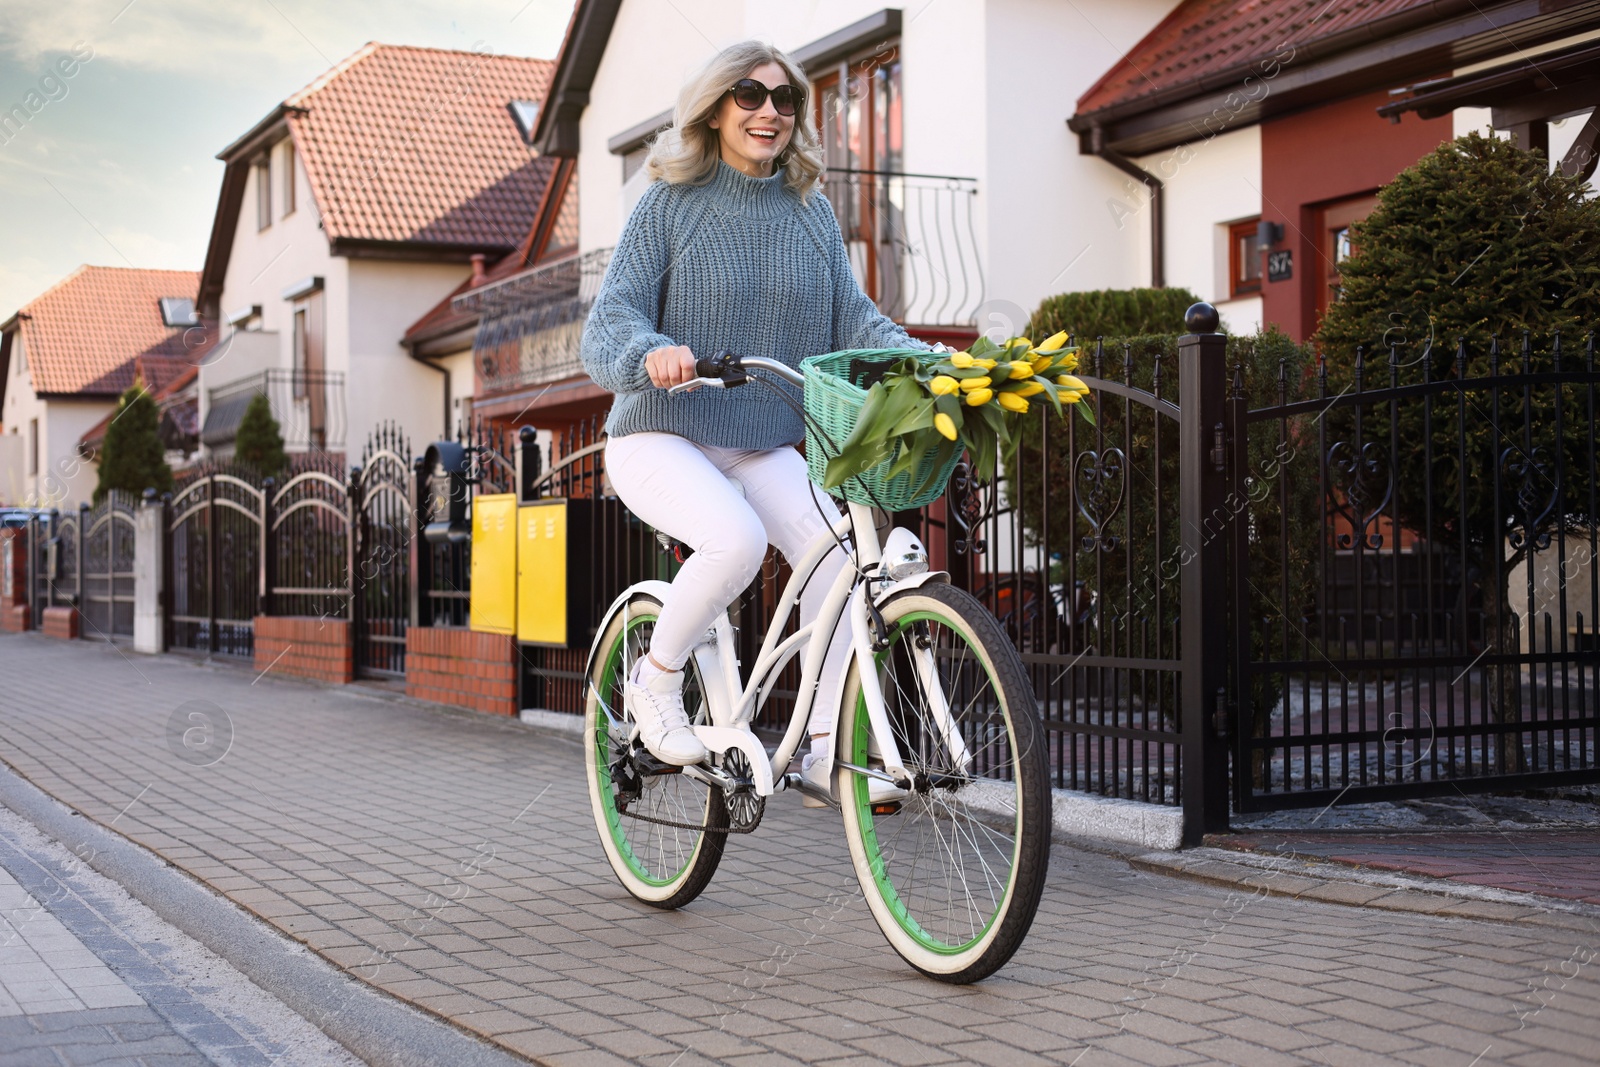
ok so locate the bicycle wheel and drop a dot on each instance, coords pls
(662, 831)
(953, 873)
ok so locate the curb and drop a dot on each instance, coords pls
(1335, 883)
(370, 1023)
(1075, 815)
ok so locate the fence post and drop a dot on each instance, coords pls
(421, 557)
(269, 551)
(168, 594)
(211, 563)
(353, 548)
(1202, 385)
(80, 590)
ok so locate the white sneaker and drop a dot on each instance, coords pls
(814, 769)
(657, 708)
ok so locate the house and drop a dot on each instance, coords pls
(1250, 136)
(348, 211)
(67, 355)
(949, 165)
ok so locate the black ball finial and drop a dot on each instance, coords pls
(1201, 318)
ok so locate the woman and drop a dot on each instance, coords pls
(732, 247)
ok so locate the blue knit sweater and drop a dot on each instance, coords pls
(747, 268)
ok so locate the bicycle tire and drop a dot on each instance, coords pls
(999, 814)
(663, 866)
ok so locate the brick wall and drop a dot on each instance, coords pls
(15, 618)
(61, 622)
(305, 646)
(462, 668)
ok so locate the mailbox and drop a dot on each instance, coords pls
(558, 550)
(493, 601)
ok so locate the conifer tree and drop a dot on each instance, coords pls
(259, 443)
(132, 457)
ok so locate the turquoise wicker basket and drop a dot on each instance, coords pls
(835, 388)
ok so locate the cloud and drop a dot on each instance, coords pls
(269, 42)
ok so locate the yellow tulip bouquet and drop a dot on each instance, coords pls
(922, 407)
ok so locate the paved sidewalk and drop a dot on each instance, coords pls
(450, 860)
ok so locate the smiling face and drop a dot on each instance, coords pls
(751, 140)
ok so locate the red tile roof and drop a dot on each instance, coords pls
(100, 326)
(1207, 37)
(417, 144)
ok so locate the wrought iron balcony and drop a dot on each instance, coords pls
(308, 406)
(531, 323)
(912, 242)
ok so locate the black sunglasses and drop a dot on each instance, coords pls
(750, 94)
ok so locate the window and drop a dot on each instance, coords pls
(857, 106)
(299, 353)
(33, 446)
(1244, 259)
(632, 161)
(1335, 245)
(264, 193)
(288, 177)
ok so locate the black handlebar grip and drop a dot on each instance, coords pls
(715, 366)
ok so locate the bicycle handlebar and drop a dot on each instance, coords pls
(726, 370)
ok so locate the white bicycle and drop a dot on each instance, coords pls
(935, 700)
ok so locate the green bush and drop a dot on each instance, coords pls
(259, 444)
(1111, 313)
(1476, 239)
(132, 458)
(1141, 572)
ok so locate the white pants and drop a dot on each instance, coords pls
(687, 491)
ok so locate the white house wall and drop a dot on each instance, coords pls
(988, 89)
(262, 264)
(652, 49)
(382, 382)
(63, 479)
(1209, 184)
(367, 306)
(1058, 221)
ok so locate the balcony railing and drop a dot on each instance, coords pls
(912, 242)
(532, 322)
(308, 406)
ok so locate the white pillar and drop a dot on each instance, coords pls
(147, 535)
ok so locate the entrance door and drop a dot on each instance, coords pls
(1334, 244)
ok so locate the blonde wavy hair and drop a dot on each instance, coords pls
(689, 150)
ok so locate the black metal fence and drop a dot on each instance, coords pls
(1431, 624)
(1249, 584)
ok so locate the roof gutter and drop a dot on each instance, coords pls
(1158, 266)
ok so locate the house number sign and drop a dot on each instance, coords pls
(1280, 265)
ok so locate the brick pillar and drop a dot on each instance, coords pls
(463, 668)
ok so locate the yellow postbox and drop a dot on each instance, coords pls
(543, 565)
(493, 604)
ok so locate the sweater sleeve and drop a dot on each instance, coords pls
(857, 322)
(621, 329)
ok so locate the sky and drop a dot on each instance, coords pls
(117, 167)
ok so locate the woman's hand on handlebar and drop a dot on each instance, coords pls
(670, 365)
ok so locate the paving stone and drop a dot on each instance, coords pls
(346, 821)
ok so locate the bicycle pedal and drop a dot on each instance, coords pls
(814, 798)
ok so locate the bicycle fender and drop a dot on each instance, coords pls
(925, 578)
(654, 587)
(722, 738)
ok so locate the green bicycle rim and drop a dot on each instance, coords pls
(869, 832)
(602, 737)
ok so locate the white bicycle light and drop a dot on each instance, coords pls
(903, 555)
